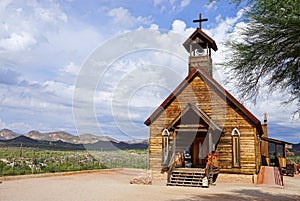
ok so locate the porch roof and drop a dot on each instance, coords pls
(275, 141)
(200, 113)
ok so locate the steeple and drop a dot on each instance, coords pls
(199, 45)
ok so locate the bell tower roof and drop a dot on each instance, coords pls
(199, 45)
(200, 38)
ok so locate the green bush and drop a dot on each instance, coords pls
(296, 159)
(49, 161)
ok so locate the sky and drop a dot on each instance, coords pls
(102, 67)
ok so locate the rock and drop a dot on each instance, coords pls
(141, 179)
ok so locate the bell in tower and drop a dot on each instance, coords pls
(199, 45)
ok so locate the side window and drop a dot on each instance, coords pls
(235, 147)
(165, 144)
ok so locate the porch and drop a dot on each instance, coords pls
(189, 143)
(273, 153)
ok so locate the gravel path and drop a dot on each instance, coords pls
(114, 185)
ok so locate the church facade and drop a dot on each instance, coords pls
(202, 119)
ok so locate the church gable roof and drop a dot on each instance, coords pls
(202, 38)
(218, 89)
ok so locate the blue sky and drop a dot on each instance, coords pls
(47, 49)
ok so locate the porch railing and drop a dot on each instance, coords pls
(168, 157)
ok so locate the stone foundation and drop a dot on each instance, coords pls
(236, 178)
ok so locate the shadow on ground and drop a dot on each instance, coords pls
(244, 195)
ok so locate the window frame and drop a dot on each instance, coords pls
(235, 140)
(165, 144)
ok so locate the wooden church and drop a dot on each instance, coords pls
(201, 126)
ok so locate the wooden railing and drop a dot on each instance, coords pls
(171, 166)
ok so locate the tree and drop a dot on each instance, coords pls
(269, 52)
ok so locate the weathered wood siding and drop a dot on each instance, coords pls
(222, 113)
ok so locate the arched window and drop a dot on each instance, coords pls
(165, 144)
(235, 134)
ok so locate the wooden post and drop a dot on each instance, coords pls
(276, 150)
(210, 145)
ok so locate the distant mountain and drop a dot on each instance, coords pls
(67, 137)
(25, 141)
(21, 139)
(6, 134)
(112, 145)
(40, 144)
(61, 140)
(137, 142)
(91, 138)
(54, 136)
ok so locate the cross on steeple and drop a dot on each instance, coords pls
(200, 20)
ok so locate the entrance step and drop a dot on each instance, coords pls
(191, 177)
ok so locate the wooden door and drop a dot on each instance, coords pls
(198, 158)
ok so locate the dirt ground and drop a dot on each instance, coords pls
(114, 185)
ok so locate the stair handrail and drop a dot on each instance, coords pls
(171, 165)
(168, 159)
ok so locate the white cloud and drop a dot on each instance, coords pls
(154, 27)
(16, 126)
(157, 2)
(40, 37)
(17, 42)
(235, 35)
(211, 5)
(185, 3)
(71, 68)
(33, 105)
(4, 4)
(51, 16)
(22, 30)
(9, 77)
(179, 27)
(221, 33)
(124, 18)
(173, 5)
(61, 90)
(3, 124)
(128, 88)
(34, 96)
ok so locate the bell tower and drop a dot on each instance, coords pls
(199, 45)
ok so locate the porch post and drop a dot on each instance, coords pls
(210, 144)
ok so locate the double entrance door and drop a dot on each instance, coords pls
(195, 145)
